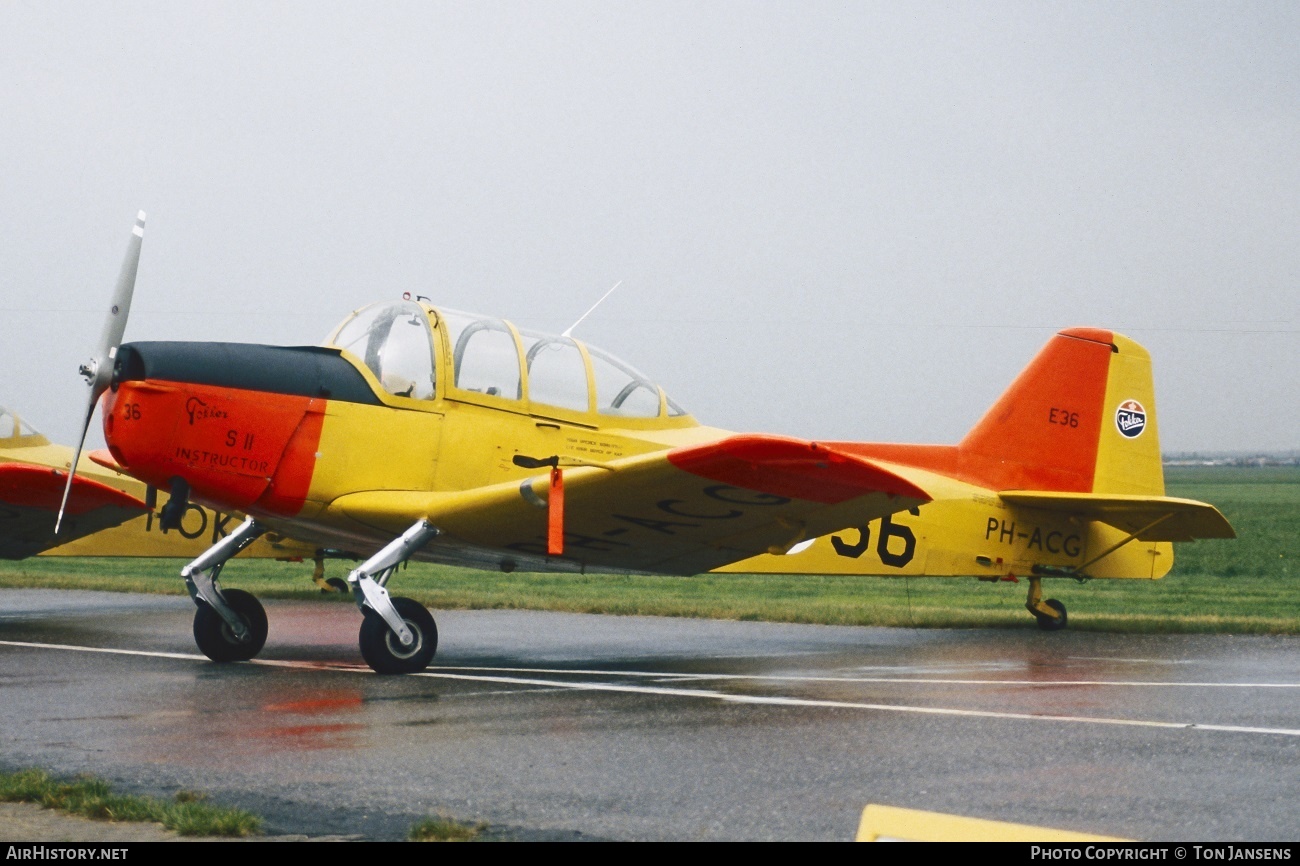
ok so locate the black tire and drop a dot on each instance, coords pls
(384, 652)
(1046, 623)
(217, 641)
(338, 584)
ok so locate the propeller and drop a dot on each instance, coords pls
(98, 371)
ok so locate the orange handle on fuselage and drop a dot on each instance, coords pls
(555, 514)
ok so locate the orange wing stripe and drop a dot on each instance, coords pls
(793, 468)
(42, 487)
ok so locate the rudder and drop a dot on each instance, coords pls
(1128, 449)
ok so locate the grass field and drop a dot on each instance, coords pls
(1247, 585)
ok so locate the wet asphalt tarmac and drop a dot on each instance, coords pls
(565, 726)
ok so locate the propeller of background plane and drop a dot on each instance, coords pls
(98, 371)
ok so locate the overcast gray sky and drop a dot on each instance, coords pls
(838, 220)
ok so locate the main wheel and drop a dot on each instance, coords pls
(214, 636)
(1046, 623)
(384, 652)
(337, 584)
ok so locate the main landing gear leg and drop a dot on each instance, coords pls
(1050, 613)
(398, 635)
(229, 625)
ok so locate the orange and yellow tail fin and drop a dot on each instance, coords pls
(1081, 418)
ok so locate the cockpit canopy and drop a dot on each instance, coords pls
(410, 347)
(16, 433)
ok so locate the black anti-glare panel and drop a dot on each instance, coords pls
(307, 371)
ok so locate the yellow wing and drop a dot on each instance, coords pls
(680, 511)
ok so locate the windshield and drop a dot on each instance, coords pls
(394, 341)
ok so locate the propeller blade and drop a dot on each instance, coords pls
(115, 323)
(76, 456)
(98, 372)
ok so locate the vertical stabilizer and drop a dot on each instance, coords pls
(1042, 433)
(1079, 418)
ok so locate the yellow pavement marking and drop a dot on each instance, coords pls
(892, 824)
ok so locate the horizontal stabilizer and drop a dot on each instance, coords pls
(1149, 518)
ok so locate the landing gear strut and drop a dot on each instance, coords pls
(398, 636)
(326, 584)
(1050, 613)
(229, 625)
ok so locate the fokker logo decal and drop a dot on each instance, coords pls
(198, 410)
(1130, 419)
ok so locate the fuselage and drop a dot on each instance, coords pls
(402, 397)
(407, 399)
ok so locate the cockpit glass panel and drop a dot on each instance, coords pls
(557, 374)
(621, 390)
(12, 428)
(485, 357)
(674, 411)
(394, 341)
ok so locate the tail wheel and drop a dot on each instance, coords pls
(1047, 623)
(216, 639)
(382, 649)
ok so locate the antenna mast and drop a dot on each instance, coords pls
(568, 332)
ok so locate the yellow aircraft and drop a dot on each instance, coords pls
(110, 514)
(423, 432)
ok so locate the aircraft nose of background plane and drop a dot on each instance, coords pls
(208, 413)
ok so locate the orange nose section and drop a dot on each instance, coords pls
(239, 449)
